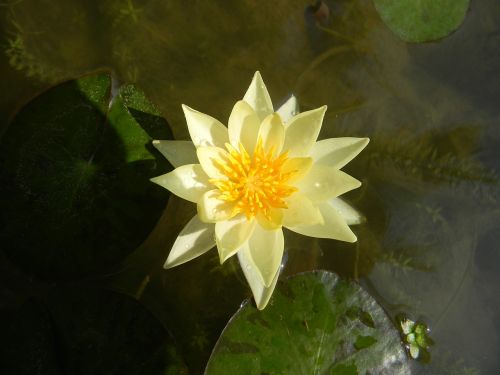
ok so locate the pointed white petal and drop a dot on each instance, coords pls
(195, 239)
(204, 129)
(211, 209)
(211, 160)
(232, 234)
(349, 213)
(258, 97)
(322, 183)
(289, 109)
(337, 152)
(261, 294)
(272, 133)
(301, 211)
(266, 251)
(334, 226)
(177, 152)
(243, 126)
(302, 131)
(188, 182)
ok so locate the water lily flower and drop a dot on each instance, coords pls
(264, 171)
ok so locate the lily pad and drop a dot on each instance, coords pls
(86, 331)
(74, 190)
(422, 20)
(309, 328)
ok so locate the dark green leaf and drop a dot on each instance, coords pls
(74, 190)
(28, 341)
(86, 331)
(307, 329)
(422, 20)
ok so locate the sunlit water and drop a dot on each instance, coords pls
(430, 191)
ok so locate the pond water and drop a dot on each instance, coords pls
(430, 189)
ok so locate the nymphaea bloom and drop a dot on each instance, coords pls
(263, 172)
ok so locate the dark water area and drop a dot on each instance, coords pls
(430, 194)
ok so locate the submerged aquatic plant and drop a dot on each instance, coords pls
(263, 172)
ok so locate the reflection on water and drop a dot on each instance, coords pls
(430, 191)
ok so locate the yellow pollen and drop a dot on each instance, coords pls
(256, 183)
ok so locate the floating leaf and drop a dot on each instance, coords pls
(309, 328)
(86, 331)
(422, 20)
(74, 190)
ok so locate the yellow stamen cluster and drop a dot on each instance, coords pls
(255, 184)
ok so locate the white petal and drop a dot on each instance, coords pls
(334, 226)
(299, 167)
(204, 129)
(289, 109)
(272, 133)
(349, 213)
(188, 182)
(211, 209)
(177, 152)
(195, 239)
(258, 97)
(243, 126)
(337, 152)
(261, 293)
(275, 219)
(302, 132)
(212, 159)
(266, 250)
(300, 211)
(322, 183)
(232, 234)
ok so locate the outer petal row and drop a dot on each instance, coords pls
(178, 153)
(349, 213)
(261, 293)
(194, 240)
(232, 234)
(266, 251)
(258, 97)
(337, 152)
(288, 109)
(302, 132)
(204, 129)
(333, 226)
(188, 182)
(323, 183)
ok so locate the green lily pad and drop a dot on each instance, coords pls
(86, 331)
(422, 20)
(74, 190)
(309, 328)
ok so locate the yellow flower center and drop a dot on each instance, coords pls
(256, 183)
